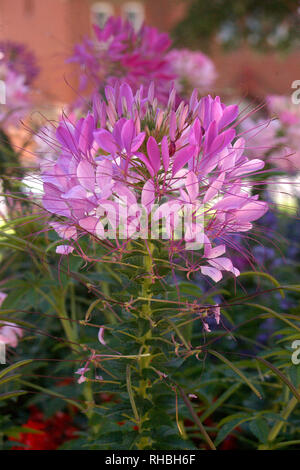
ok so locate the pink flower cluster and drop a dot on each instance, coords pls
(277, 139)
(130, 151)
(16, 97)
(9, 332)
(287, 142)
(192, 69)
(19, 60)
(17, 71)
(121, 53)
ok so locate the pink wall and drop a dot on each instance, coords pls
(48, 28)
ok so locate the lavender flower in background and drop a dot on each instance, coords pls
(17, 72)
(276, 139)
(192, 69)
(19, 59)
(140, 58)
(121, 53)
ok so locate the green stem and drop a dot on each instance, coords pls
(284, 415)
(71, 333)
(144, 388)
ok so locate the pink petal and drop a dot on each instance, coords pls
(252, 211)
(153, 154)
(192, 185)
(229, 115)
(182, 157)
(64, 231)
(105, 141)
(104, 173)
(148, 195)
(137, 141)
(86, 175)
(86, 134)
(64, 134)
(221, 141)
(77, 192)
(165, 152)
(92, 225)
(127, 134)
(214, 273)
(221, 263)
(214, 188)
(145, 160)
(214, 252)
(249, 167)
(173, 126)
(64, 249)
(101, 336)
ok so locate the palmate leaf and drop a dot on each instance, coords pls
(229, 424)
(219, 402)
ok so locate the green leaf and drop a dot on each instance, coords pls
(281, 376)
(230, 425)
(220, 401)
(267, 276)
(16, 393)
(236, 370)
(260, 429)
(14, 366)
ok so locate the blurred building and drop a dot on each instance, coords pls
(52, 27)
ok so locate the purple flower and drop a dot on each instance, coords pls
(192, 69)
(121, 53)
(17, 71)
(19, 60)
(129, 151)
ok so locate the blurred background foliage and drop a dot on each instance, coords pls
(264, 25)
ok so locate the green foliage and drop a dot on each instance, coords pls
(264, 25)
(159, 382)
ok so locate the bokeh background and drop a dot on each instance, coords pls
(250, 67)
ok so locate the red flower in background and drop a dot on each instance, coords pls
(53, 432)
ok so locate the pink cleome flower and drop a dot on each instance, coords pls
(129, 151)
(121, 53)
